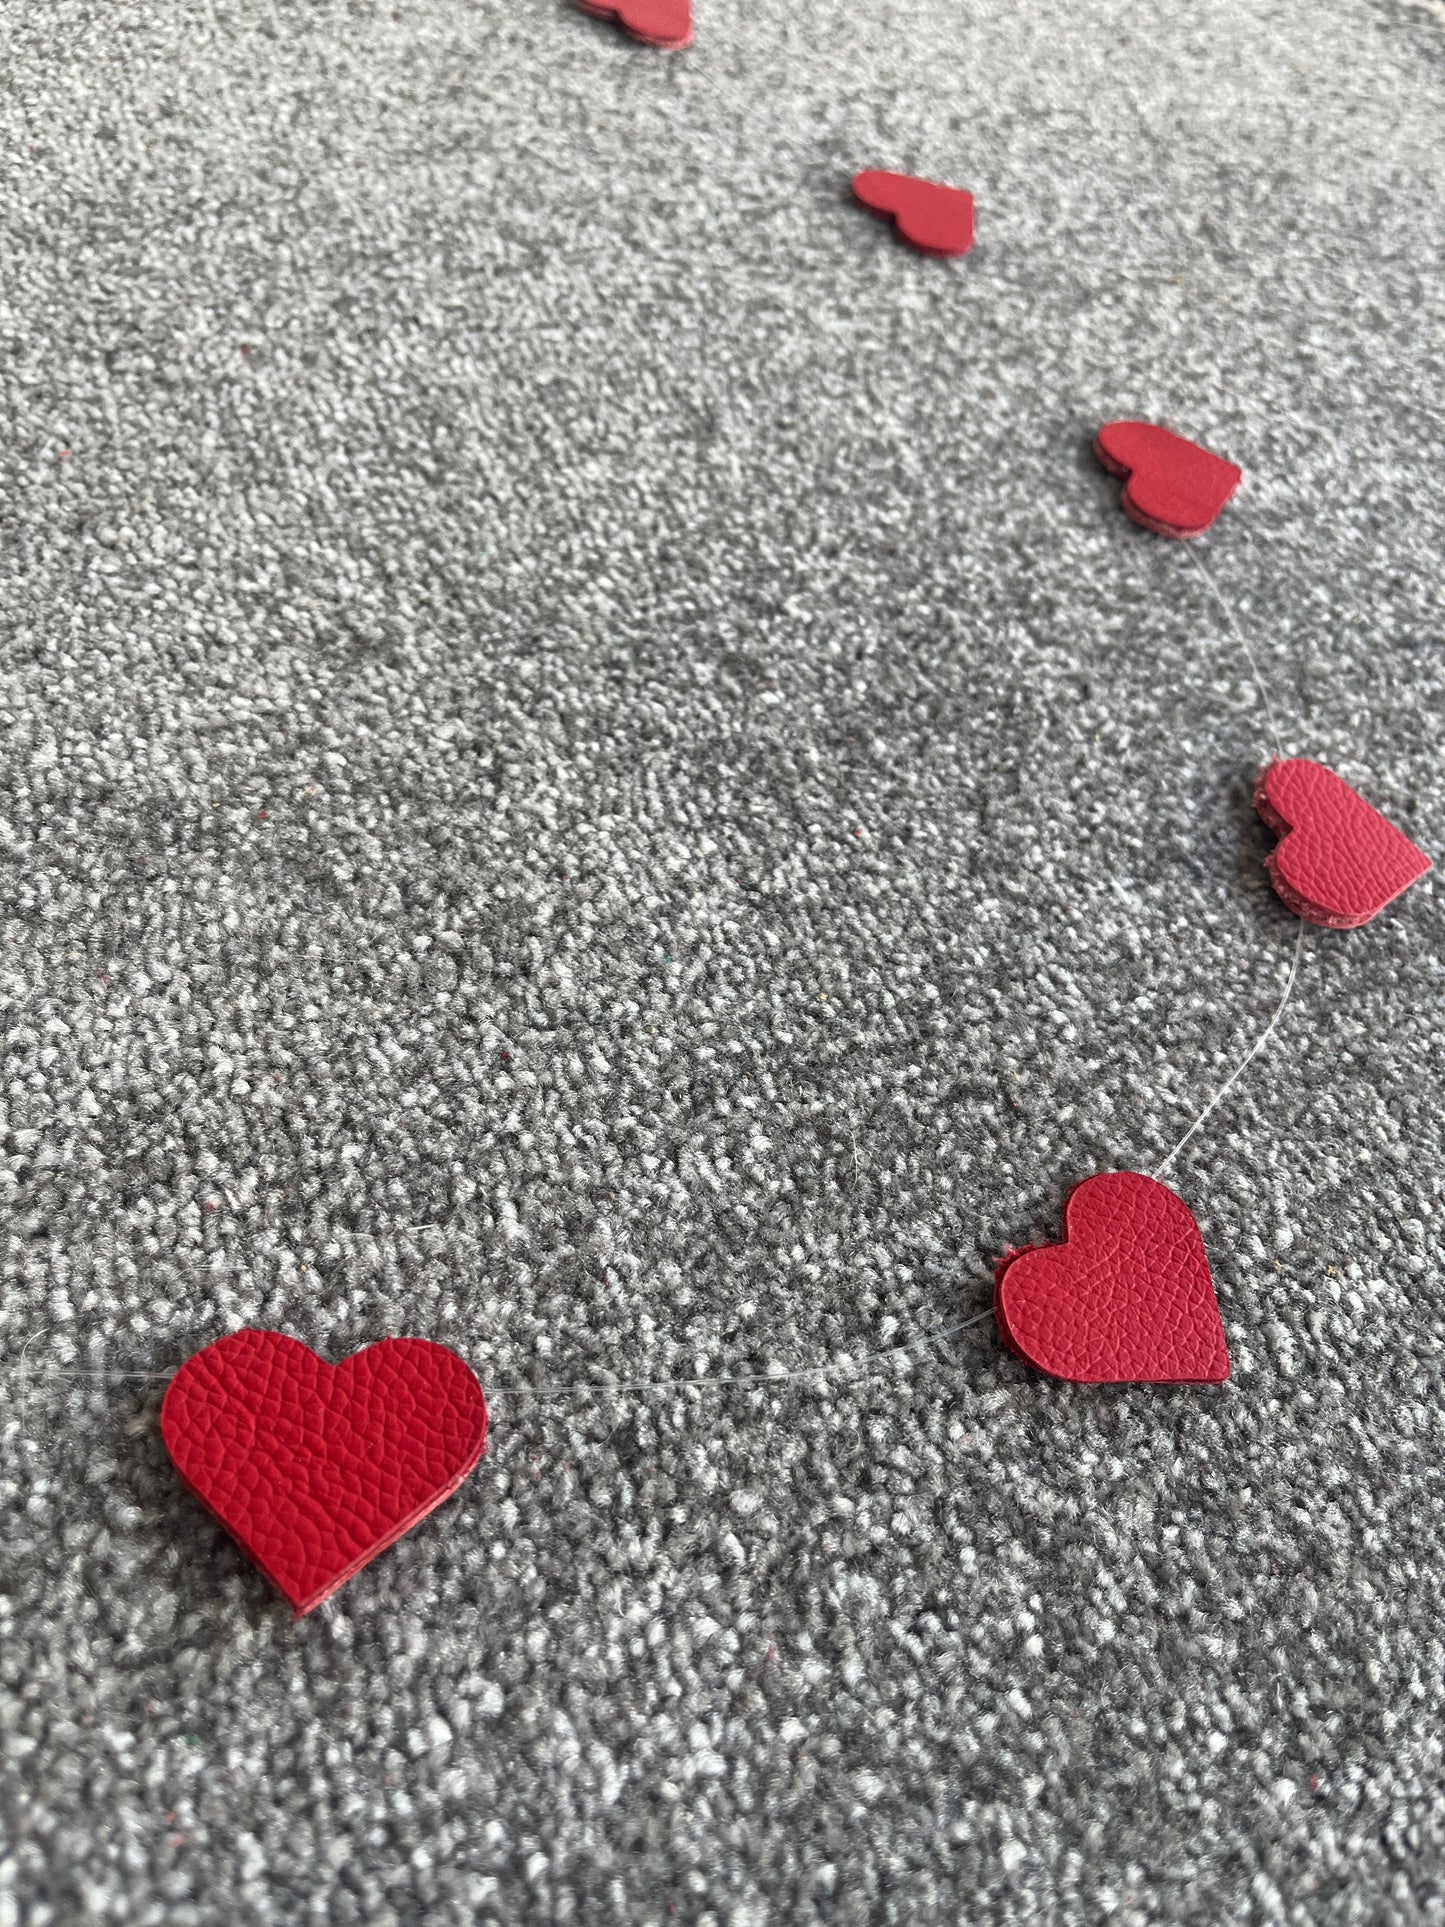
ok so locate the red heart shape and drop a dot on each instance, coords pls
(1172, 486)
(931, 217)
(1126, 1298)
(1338, 861)
(313, 1468)
(660, 23)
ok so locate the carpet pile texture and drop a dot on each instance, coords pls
(591, 771)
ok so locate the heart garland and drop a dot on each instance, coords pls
(314, 1468)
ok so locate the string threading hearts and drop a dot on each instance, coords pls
(867, 1361)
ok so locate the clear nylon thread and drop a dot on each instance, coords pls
(842, 1360)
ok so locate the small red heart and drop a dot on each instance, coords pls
(660, 23)
(312, 1468)
(1172, 486)
(930, 217)
(1126, 1298)
(1338, 861)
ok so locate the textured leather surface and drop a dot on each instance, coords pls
(1172, 486)
(315, 1468)
(1126, 1298)
(661, 23)
(1339, 862)
(930, 217)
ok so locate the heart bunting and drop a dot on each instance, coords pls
(312, 1468)
(315, 1469)
(1126, 1298)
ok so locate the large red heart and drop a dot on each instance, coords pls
(314, 1468)
(931, 217)
(661, 23)
(1338, 861)
(1126, 1298)
(1172, 486)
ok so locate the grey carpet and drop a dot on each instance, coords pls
(592, 771)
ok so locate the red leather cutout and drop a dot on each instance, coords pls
(1338, 861)
(1127, 1298)
(1172, 487)
(930, 217)
(659, 23)
(312, 1468)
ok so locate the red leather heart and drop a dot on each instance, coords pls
(1172, 486)
(314, 1468)
(1126, 1298)
(1338, 861)
(930, 217)
(660, 23)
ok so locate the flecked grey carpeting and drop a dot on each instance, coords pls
(592, 771)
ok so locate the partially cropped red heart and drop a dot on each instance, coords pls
(930, 217)
(312, 1468)
(1338, 861)
(1172, 486)
(1127, 1298)
(660, 23)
